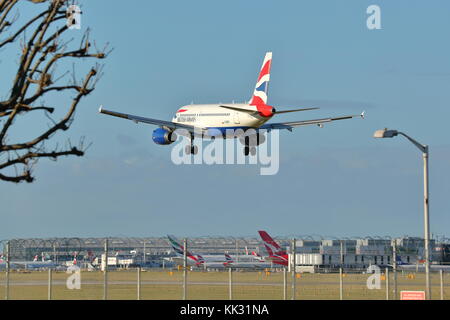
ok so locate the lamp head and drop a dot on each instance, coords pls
(385, 133)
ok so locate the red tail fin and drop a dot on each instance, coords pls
(268, 240)
(274, 250)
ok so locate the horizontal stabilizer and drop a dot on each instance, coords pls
(294, 110)
(253, 109)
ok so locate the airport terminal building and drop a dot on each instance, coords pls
(311, 255)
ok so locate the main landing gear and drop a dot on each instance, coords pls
(249, 150)
(191, 149)
(250, 144)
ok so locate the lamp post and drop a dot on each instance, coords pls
(385, 133)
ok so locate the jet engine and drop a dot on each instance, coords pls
(163, 136)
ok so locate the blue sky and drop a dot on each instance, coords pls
(333, 181)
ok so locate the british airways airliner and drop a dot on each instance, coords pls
(218, 120)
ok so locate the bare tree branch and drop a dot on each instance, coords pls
(34, 79)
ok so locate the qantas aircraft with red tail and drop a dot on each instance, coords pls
(276, 254)
(229, 120)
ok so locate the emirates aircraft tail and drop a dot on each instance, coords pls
(179, 248)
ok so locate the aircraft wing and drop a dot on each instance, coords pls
(156, 122)
(293, 124)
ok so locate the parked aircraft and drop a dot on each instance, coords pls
(276, 254)
(255, 264)
(35, 264)
(215, 261)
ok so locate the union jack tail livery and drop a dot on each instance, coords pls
(200, 260)
(228, 258)
(262, 83)
(276, 254)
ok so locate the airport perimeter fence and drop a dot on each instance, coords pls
(137, 283)
(382, 283)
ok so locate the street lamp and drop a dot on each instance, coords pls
(385, 133)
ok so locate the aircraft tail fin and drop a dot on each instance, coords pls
(271, 245)
(228, 260)
(262, 83)
(200, 260)
(175, 244)
(179, 248)
(256, 254)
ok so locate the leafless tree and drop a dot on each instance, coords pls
(39, 43)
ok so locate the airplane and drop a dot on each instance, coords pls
(212, 261)
(212, 264)
(194, 259)
(228, 259)
(217, 263)
(224, 120)
(257, 256)
(255, 264)
(419, 266)
(28, 265)
(276, 254)
(179, 250)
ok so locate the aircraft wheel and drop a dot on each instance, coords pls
(194, 149)
(187, 149)
(246, 150)
(253, 151)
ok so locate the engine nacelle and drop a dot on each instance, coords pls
(163, 136)
(253, 140)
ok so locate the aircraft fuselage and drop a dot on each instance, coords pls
(216, 116)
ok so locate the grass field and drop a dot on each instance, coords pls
(167, 285)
